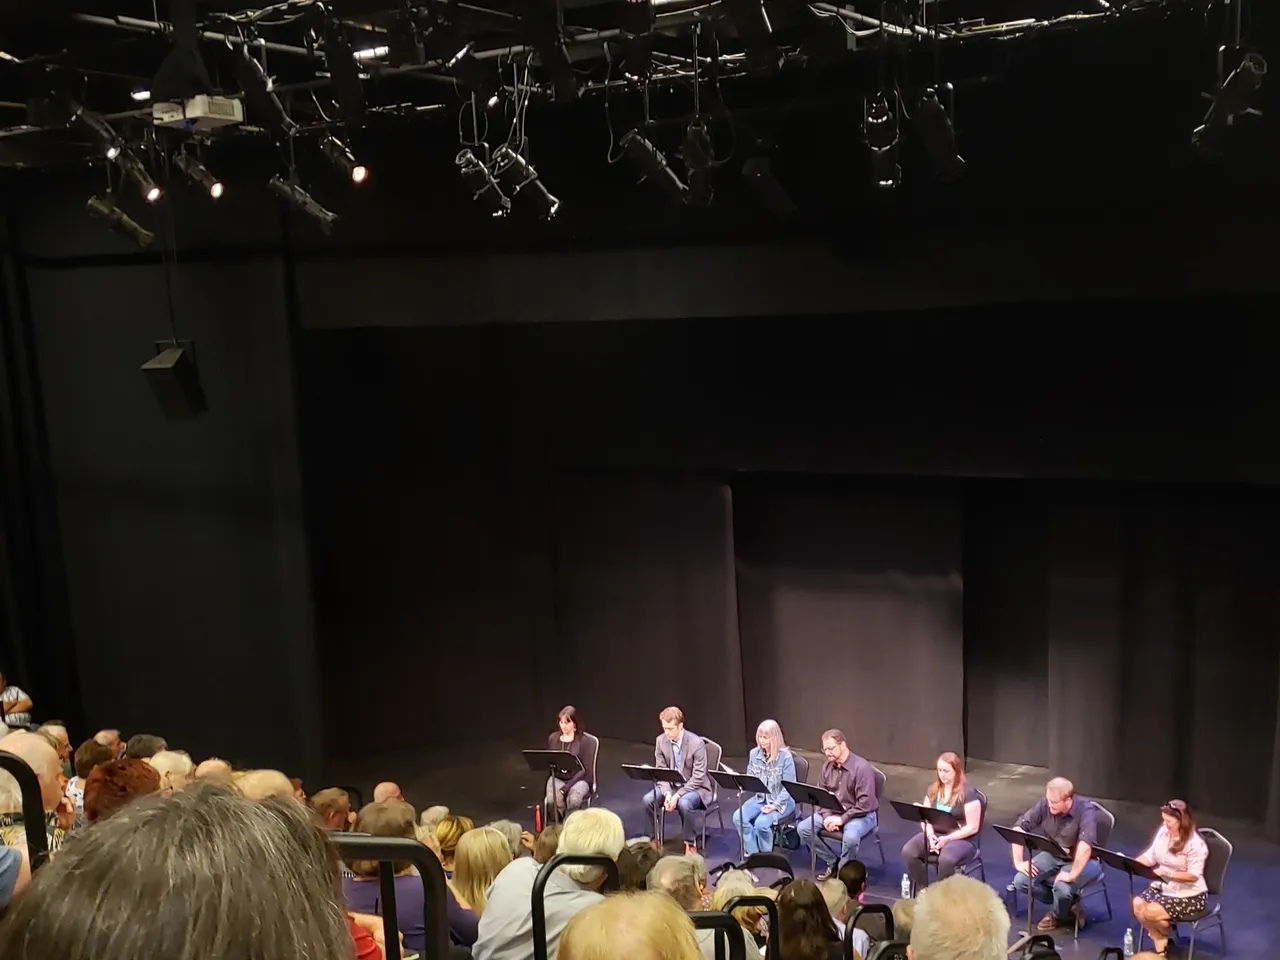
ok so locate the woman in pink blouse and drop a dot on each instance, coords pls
(1178, 854)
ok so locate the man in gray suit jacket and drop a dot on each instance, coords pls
(683, 750)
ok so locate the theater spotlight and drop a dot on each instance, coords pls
(111, 142)
(517, 178)
(199, 174)
(880, 130)
(297, 197)
(473, 75)
(480, 182)
(540, 21)
(337, 153)
(653, 165)
(134, 168)
(1232, 100)
(751, 23)
(344, 74)
(104, 209)
(257, 90)
(933, 124)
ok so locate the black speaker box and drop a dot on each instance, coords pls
(176, 382)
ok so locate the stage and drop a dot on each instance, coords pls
(491, 781)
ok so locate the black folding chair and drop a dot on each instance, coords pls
(762, 861)
(32, 808)
(538, 909)
(771, 908)
(888, 950)
(881, 910)
(734, 935)
(389, 850)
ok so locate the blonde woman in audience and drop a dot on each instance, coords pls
(448, 832)
(480, 857)
(175, 768)
(650, 925)
(236, 879)
(733, 884)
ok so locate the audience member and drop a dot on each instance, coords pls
(89, 754)
(214, 769)
(841, 906)
(59, 813)
(652, 927)
(854, 877)
(448, 832)
(805, 928)
(634, 863)
(332, 809)
(56, 731)
(387, 791)
(904, 918)
(958, 918)
(547, 844)
(16, 705)
(299, 793)
(481, 856)
(678, 878)
(175, 768)
(506, 930)
(390, 818)
(142, 746)
(736, 883)
(15, 874)
(112, 786)
(111, 740)
(432, 816)
(519, 839)
(260, 784)
(237, 881)
(700, 871)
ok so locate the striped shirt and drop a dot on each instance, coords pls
(9, 695)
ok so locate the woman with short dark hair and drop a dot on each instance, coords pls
(223, 878)
(569, 795)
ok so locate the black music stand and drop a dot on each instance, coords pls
(655, 776)
(816, 798)
(1034, 843)
(741, 783)
(940, 820)
(559, 764)
(1128, 865)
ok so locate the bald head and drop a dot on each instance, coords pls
(387, 791)
(214, 769)
(260, 784)
(41, 757)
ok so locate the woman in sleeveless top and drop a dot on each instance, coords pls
(949, 793)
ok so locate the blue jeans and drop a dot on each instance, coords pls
(689, 806)
(1046, 887)
(758, 835)
(850, 837)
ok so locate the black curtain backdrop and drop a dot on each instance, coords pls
(851, 599)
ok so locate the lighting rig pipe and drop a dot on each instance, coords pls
(853, 16)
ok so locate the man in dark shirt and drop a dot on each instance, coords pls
(853, 781)
(1071, 822)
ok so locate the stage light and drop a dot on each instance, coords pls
(751, 23)
(134, 168)
(517, 178)
(297, 197)
(540, 20)
(880, 130)
(371, 53)
(140, 95)
(257, 90)
(337, 153)
(472, 74)
(111, 142)
(344, 74)
(104, 209)
(1232, 100)
(199, 174)
(482, 185)
(933, 124)
(653, 165)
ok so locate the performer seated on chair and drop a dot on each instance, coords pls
(1071, 822)
(949, 793)
(685, 751)
(853, 780)
(572, 794)
(1178, 854)
(772, 762)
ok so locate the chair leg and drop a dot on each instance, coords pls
(1222, 932)
(1106, 897)
(720, 815)
(1191, 948)
(880, 847)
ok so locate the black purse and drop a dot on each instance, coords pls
(786, 836)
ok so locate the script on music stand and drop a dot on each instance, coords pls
(1128, 865)
(742, 783)
(559, 764)
(1034, 844)
(817, 799)
(655, 776)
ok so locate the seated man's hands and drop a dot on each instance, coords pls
(669, 804)
(832, 824)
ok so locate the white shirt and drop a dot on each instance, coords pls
(506, 926)
(861, 939)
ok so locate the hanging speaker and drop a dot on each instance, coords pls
(175, 380)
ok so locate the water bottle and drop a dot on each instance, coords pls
(1128, 942)
(906, 887)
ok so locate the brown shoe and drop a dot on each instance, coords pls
(1047, 923)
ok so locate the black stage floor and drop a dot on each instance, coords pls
(490, 781)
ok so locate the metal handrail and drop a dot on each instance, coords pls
(538, 908)
(32, 808)
(389, 850)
